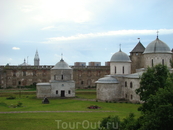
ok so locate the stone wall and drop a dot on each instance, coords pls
(13, 76)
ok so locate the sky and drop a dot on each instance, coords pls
(81, 30)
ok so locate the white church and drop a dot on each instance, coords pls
(121, 83)
(61, 83)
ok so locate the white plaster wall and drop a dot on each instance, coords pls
(43, 91)
(157, 59)
(108, 92)
(131, 91)
(66, 86)
(119, 66)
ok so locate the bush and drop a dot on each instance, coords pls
(110, 123)
(11, 97)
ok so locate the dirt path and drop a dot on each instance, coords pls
(52, 111)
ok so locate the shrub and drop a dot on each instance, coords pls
(11, 97)
(110, 123)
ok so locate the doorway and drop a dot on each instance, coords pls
(62, 93)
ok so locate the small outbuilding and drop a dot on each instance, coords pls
(61, 83)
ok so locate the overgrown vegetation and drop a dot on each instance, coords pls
(156, 91)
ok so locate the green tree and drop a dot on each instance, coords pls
(158, 112)
(151, 80)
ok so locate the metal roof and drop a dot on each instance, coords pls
(138, 48)
(135, 75)
(157, 46)
(36, 56)
(120, 57)
(107, 79)
(61, 65)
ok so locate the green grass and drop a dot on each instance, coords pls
(46, 121)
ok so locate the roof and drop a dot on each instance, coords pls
(157, 46)
(36, 56)
(24, 63)
(135, 75)
(120, 57)
(107, 79)
(43, 84)
(139, 48)
(61, 65)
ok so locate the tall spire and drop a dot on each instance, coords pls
(36, 59)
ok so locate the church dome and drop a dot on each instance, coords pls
(120, 57)
(107, 79)
(61, 65)
(157, 46)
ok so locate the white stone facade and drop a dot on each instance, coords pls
(61, 83)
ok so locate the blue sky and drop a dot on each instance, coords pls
(83, 30)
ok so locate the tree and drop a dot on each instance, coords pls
(157, 93)
(151, 80)
(159, 112)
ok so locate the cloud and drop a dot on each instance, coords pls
(16, 48)
(110, 33)
(47, 28)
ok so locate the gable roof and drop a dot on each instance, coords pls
(138, 48)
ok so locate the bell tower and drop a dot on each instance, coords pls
(36, 59)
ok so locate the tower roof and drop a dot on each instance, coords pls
(61, 65)
(24, 63)
(138, 48)
(120, 57)
(157, 46)
(36, 56)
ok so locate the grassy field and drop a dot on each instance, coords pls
(58, 120)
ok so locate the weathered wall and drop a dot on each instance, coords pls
(13, 76)
(108, 92)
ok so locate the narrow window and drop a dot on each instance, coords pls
(152, 64)
(131, 96)
(131, 84)
(56, 91)
(19, 83)
(69, 92)
(81, 82)
(115, 70)
(126, 84)
(14, 73)
(24, 73)
(126, 95)
(162, 61)
(62, 77)
(54, 77)
(123, 69)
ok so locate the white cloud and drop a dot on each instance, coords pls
(47, 28)
(110, 33)
(16, 48)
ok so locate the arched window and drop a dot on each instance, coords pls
(131, 84)
(56, 91)
(125, 83)
(152, 63)
(62, 77)
(162, 61)
(131, 96)
(115, 69)
(55, 77)
(81, 82)
(123, 69)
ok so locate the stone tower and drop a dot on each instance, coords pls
(36, 59)
(136, 56)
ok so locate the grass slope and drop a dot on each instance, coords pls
(49, 121)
